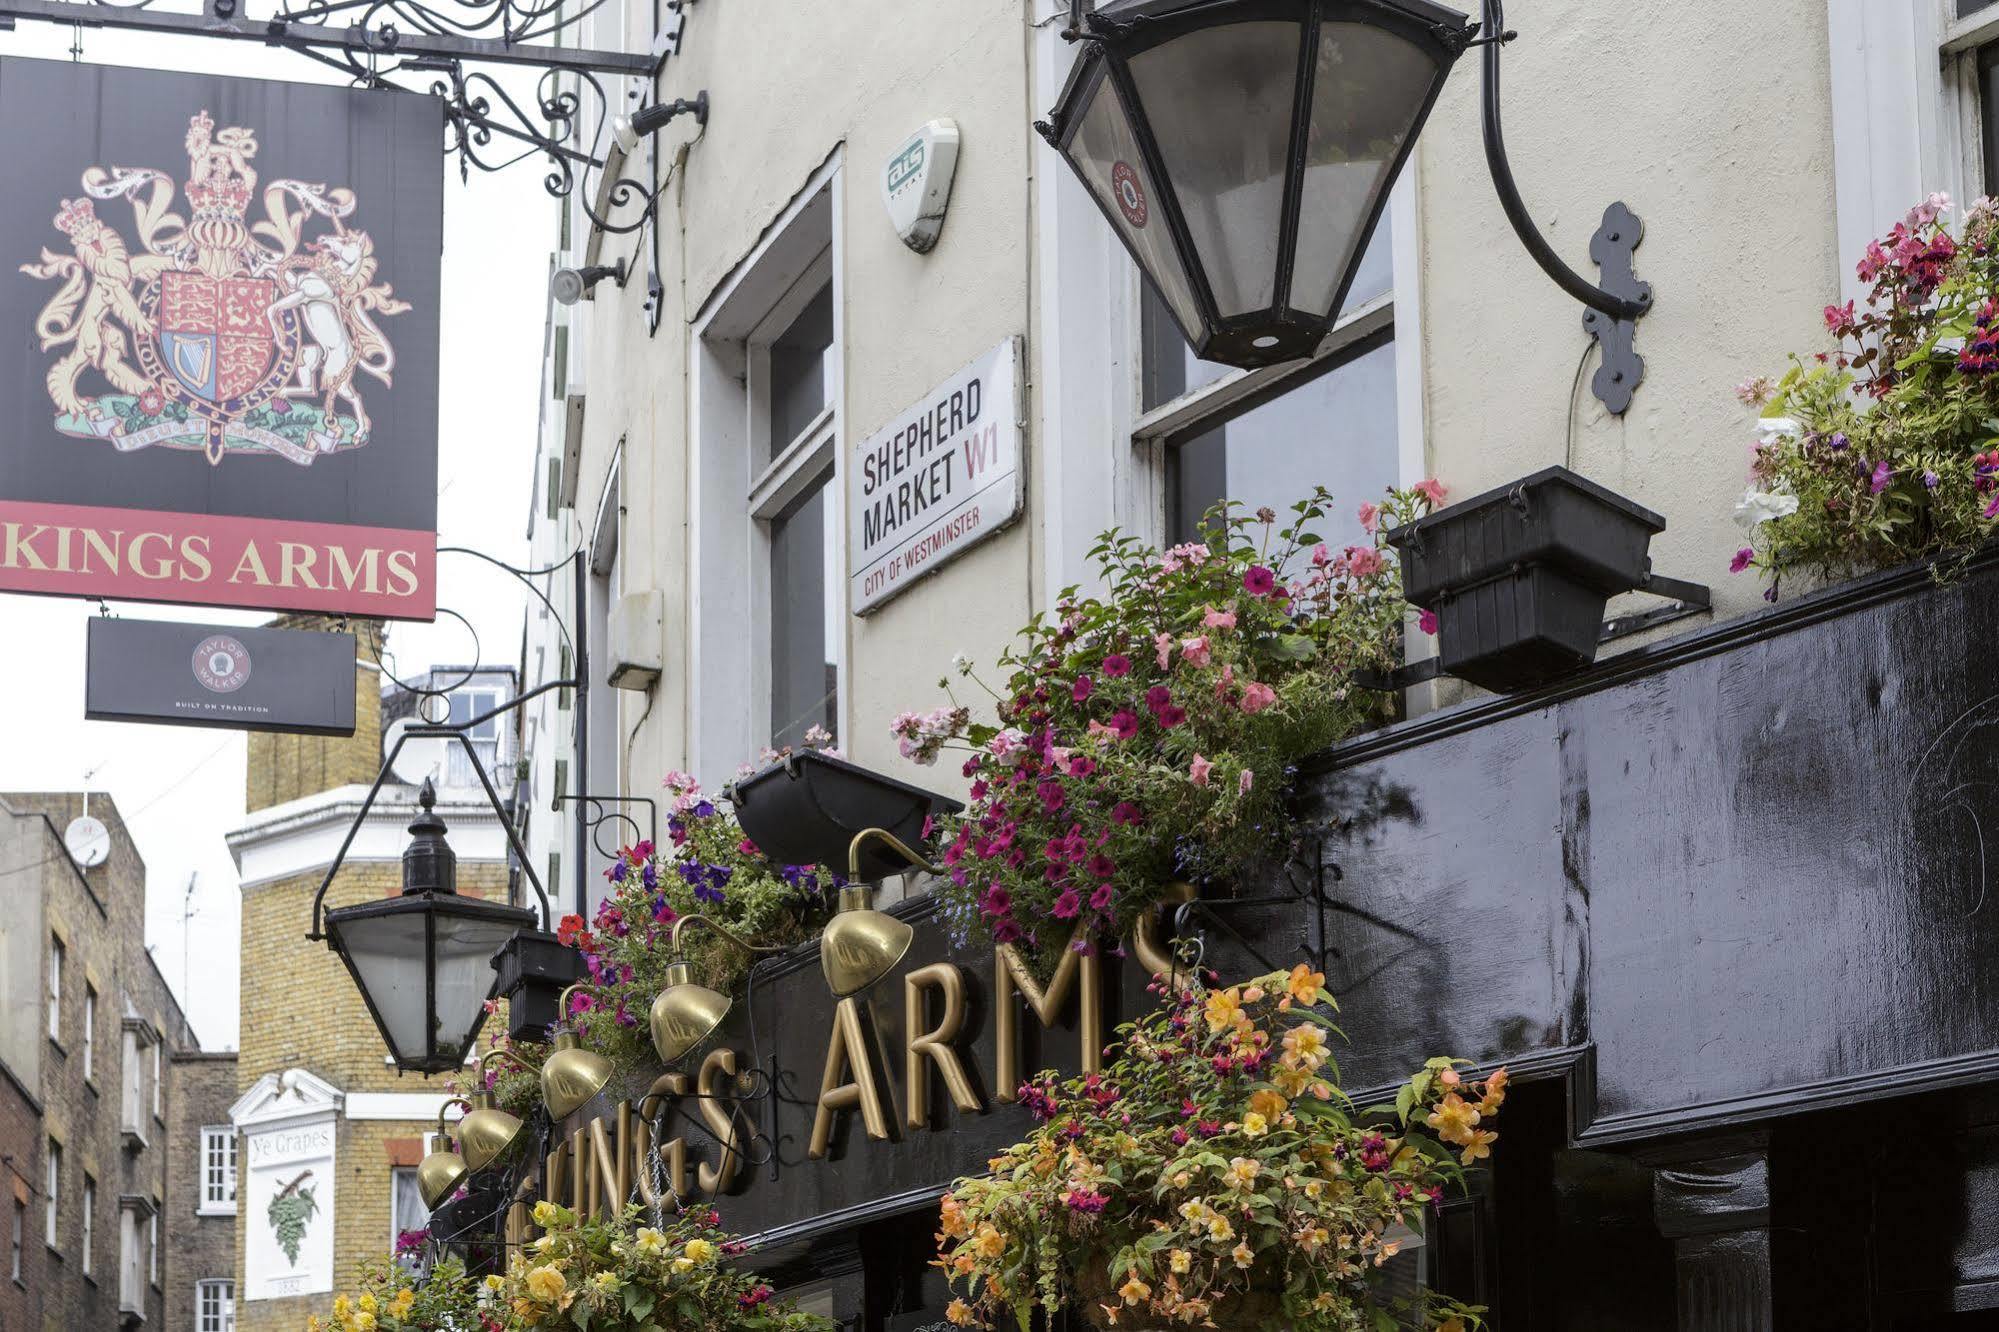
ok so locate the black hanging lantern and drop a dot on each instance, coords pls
(423, 961)
(1243, 149)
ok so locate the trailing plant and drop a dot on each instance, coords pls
(389, 1298)
(1151, 733)
(618, 1275)
(1216, 1175)
(709, 867)
(1886, 448)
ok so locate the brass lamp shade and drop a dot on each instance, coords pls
(684, 1014)
(485, 1135)
(439, 1176)
(861, 945)
(571, 1076)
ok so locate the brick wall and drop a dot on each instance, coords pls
(285, 767)
(99, 914)
(20, 1181)
(201, 1088)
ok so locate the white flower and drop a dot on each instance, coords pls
(961, 663)
(1773, 430)
(1757, 507)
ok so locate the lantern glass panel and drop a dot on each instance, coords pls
(395, 955)
(1368, 90)
(465, 948)
(1105, 153)
(388, 955)
(1220, 105)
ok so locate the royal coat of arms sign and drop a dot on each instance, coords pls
(226, 390)
(247, 337)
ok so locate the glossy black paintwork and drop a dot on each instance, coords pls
(1709, 884)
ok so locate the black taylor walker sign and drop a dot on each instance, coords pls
(252, 679)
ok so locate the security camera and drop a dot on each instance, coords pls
(648, 120)
(570, 285)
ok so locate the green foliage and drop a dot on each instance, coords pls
(390, 1298)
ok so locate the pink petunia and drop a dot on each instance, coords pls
(1245, 781)
(1431, 489)
(1162, 645)
(1199, 769)
(1257, 581)
(1171, 715)
(1256, 696)
(1124, 723)
(1218, 619)
(1370, 517)
(1195, 651)
(1743, 559)
(1321, 557)
(1117, 665)
(1363, 561)
(1081, 689)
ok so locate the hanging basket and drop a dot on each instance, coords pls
(806, 808)
(1518, 576)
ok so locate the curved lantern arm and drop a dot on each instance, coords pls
(450, 1101)
(866, 835)
(673, 937)
(1575, 284)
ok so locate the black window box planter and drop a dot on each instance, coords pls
(1518, 576)
(534, 969)
(806, 808)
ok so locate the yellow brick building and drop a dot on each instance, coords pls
(321, 1108)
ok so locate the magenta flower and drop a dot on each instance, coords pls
(1257, 581)
(1081, 689)
(1117, 665)
(1067, 905)
(1882, 473)
(1427, 622)
(1126, 812)
(1743, 559)
(1172, 715)
(1125, 722)
(1158, 697)
(1100, 900)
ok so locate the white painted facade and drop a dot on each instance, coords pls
(1761, 144)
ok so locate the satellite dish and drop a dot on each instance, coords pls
(88, 841)
(422, 756)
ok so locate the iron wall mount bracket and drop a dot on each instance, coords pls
(1621, 369)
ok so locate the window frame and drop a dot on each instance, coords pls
(52, 1180)
(18, 1243)
(737, 487)
(90, 1034)
(208, 1204)
(224, 1291)
(159, 1081)
(85, 1252)
(58, 955)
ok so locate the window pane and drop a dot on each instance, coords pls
(1966, 8)
(1988, 107)
(804, 626)
(1169, 367)
(801, 371)
(1220, 104)
(1336, 430)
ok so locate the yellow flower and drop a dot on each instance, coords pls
(364, 1321)
(1195, 1211)
(1312, 1239)
(1304, 1046)
(1180, 1261)
(1268, 1103)
(544, 1242)
(1314, 1187)
(650, 1240)
(1495, 1092)
(545, 1213)
(955, 1225)
(404, 1299)
(682, 1265)
(1111, 1311)
(1454, 1119)
(700, 1250)
(1220, 1229)
(496, 1282)
(1133, 1290)
(1303, 984)
(342, 1306)
(546, 1284)
(1479, 1145)
(1291, 1079)
(1242, 1255)
(312, 1323)
(367, 1303)
(1224, 1010)
(989, 1243)
(1242, 1171)
(607, 1282)
(959, 1312)
(1254, 1125)
(1181, 1179)
(1451, 1325)
(1253, 994)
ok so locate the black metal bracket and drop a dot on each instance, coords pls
(596, 812)
(1186, 945)
(1620, 369)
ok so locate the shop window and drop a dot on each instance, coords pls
(218, 1171)
(1265, 438)
(215, 1306)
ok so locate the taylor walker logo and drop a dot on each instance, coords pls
(249, 337)
(221, 664)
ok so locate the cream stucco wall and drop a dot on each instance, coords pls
(1712, 120)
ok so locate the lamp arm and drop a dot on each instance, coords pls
(448, 1103)
(861, 839)
(562, 1003)
(673, 938)
(1574, 283)
(507, 1056)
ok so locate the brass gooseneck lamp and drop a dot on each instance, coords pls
(860, 944)
(488, 1133)
(440, 1173)
(686, 1013)
(571, 1075)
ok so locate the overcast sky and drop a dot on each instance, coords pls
(181, 789)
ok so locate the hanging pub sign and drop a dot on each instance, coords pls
(251, 679)
(220, 300)
(937, 480)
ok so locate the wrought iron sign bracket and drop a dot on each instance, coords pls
(1620, 369)
(596, 811)
(1216, 911)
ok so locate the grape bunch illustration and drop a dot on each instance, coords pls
(291, 1207)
